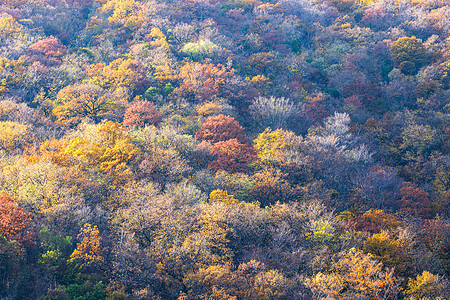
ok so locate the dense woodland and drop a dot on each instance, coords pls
(224, 149)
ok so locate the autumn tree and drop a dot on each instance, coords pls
(376, 220)
(355, 276)
(200, 49)
(109, 147)
(270, 187)
(278, 148)
(409, 54)
(10, 72)
(76, 102)
(414, 200)
(89, 251)
(427, 286)
(250, 280)
(209, 108)
(232, 156)
(127, 13)
(10, 29)
(221, 128)
(390, 251)
(12, 135)
(118, 75)
(202, 82)
(222, 196)
(15, 223)
(263, 63)
(141, 113)
(49, 50)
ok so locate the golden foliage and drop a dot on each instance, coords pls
(355, 276)
(128, 13)
(9, 27)
(76, 102)
(208, 108)
(11, 134)
(10, 71)
(112, 151)
(89, 251)
(388, 249)
(381, 219)
(425, 286)
(222, 196)
(120, 73)
(275, 147)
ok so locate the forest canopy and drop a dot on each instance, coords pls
(224, 149)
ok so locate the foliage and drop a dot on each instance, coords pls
(222, 196)
(120, 73)
(250, 280)
(219, 129)
(75, 103)
(49, 50)
(355, 275)
(202, 82)
(426, 285)
(276, 147)
(209, 108)
(141, 113)
(409, 54)
(388, 250)
(321, 232)
(199, 49)
(237, 149)
(16, 224)
(415, 200)
(128, 13)
(232, 156)
(89, 251)
(12, 134)
(272, 112)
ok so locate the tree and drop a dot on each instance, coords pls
(426, 286)
(251, 280)
(232, 156)
(89, 252)
(10, 73)
(278, 147)
(321, 233)
(221, 128)
(12, 135)
(262, 63)
(355, 276)
(415, 201)
(270, 187)
(141, 113)
(13, 265)
(77, 102)
(389, 250)
(272, 112)
(10, 28)
(49, 51)
(409, 54)
(128, 13)
(376, 220)
(118, 75)
(202, 82)
(222, 196)
(15, 223)
(208, 109)
(200, 49)
(417, 139)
